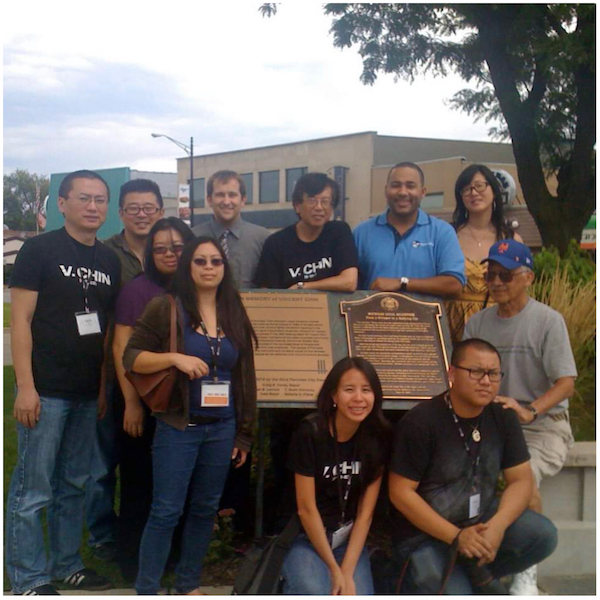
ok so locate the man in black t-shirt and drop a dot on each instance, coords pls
(63, 288)
(448, 454)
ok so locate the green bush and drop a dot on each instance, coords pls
(577, 263)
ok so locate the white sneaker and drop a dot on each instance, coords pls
(525, 583)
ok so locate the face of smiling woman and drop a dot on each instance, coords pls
(206, 271)
(354, 398)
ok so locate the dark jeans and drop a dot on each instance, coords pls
(528, 541)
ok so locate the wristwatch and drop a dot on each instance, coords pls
(300, 285)
(403, 283)
(533, 410)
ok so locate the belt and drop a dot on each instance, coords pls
(201, 420)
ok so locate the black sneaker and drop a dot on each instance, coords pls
(41, 590)
(106, 551)
(87, 579)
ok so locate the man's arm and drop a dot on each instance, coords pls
(346, 281)
(514, 501)
(562, 388)
(27, 403)
(446, 286)
(404, 496)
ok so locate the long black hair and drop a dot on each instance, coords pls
(461, 215)
(373, 439)
(231, 313)
(169, 223)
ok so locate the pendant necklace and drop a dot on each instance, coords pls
(470, 230)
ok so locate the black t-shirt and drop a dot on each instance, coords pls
(65, 364)
(286, 259)
(312, 454)
(428, 449)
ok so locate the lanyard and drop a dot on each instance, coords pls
(342, 495)
(215, 349)
(474, 458)
(84, 279)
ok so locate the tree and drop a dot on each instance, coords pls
(22, 191)
(533, 66)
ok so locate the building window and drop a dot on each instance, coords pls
(435, 200)
(248, 181)
(199, 192)
(291, 178)
(268, 187)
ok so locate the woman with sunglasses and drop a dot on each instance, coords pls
(164, 245)
(210, 418)
(479, 223)
(338, 457)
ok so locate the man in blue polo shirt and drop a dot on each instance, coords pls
(405, 249)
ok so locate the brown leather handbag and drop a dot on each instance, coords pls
(155, 389)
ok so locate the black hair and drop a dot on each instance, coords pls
(460, 349)
(231, 313)
(408, 165)
(66, 185)
(461, 215)
(312, 184)
(141, 186)
(150, 270)
(374, 433)
(224, 177)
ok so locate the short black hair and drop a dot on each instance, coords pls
(408, 165)
(459, 349)
(66, 185)
(223, 177)
(140, 186)
(313, 184)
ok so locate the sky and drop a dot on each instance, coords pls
(85, 87)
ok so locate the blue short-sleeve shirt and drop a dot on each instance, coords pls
(429, 248)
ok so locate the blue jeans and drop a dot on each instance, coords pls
(194, 462)
(305, 573)
(528, 541)
(100, 514)
(53, 464)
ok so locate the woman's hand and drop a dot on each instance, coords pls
(133, 419)
(350, 586)
(192, 366)
(338, 582)
(238, 457)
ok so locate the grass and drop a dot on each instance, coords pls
(7, 306)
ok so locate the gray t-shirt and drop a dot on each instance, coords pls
(245, 244)
(534, 347)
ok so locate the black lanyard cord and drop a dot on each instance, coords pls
(215, 349)
(84, 281)
(343, 496)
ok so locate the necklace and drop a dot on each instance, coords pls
(475, 434)
(478, 242)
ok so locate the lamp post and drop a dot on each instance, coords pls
(189, 150)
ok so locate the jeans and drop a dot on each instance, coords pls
(194, 462)
(305, 573)
(53, 464)
(100, 514)
(528, 541)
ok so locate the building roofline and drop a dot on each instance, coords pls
(410, 137)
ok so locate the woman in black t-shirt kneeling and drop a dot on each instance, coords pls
(338, 456)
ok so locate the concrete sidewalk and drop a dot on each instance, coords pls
(223, 590)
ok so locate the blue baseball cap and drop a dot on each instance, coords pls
(510, 254)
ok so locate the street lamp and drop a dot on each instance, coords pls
(189, 150)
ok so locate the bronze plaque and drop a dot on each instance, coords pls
(402, 338)
(294, 344)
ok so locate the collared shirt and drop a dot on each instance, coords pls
(130, 263)
(429, 248)
(245, 244)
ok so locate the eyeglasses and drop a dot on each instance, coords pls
(175, 249)
(478, 374)
(312, 202)
(478, 186)
(86, 199)
(147, 209)
(202, 262)
(505, 276)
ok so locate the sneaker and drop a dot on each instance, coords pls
(525, 583)
(87, 579)
(41, 590)
(106, 551)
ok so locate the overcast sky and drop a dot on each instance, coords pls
(85, 87)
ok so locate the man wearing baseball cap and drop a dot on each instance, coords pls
(538, 363)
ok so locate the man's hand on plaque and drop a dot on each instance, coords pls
(386, 284)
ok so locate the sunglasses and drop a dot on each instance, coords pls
(175, 248)
(505, 276)
(202, 262)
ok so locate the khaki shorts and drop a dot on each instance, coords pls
(549, 441)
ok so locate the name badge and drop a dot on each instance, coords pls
(474, 505)
(215, 393)
(340, 536)
(88, 323)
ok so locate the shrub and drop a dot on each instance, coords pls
(576, 262)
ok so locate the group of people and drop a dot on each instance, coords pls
(85, 312)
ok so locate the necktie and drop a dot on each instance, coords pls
(223, 241)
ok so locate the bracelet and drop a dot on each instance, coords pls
(455, 540)
(534, 411)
